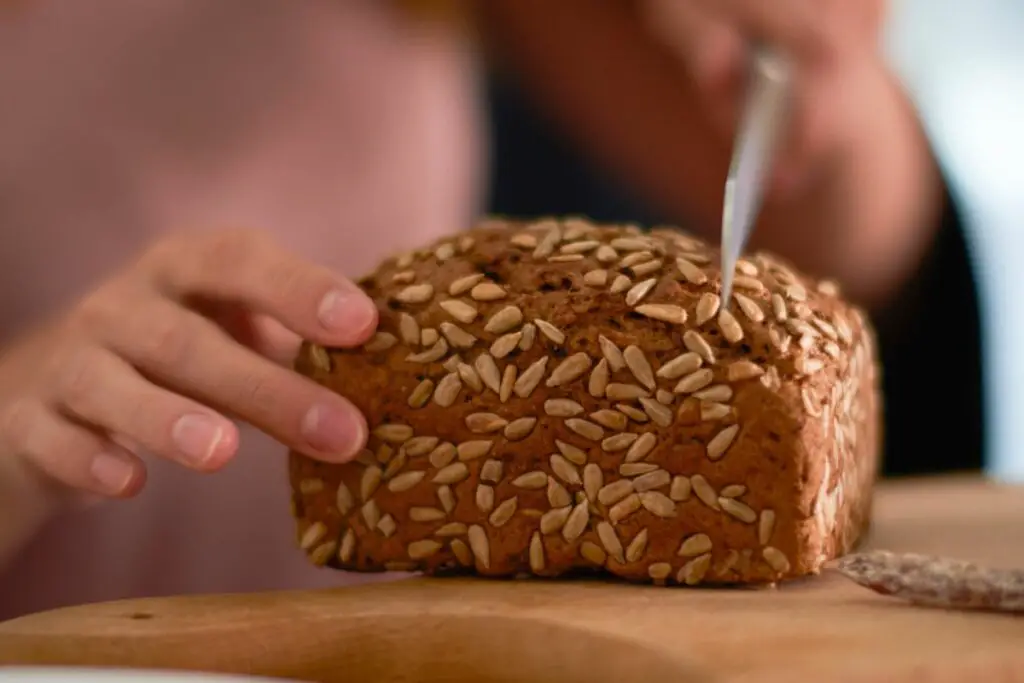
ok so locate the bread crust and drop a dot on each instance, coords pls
(556, 396)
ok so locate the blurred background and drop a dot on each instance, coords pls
(962, 64)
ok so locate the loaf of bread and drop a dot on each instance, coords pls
(553, 397)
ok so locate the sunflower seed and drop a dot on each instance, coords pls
(704, 491)
(488, 371)
(371, 514)
(484, 497)
(320, 358)
(450, 529)
(505, 344)
(369, 482)
(348, 546)
(647, 268)
(461, 552)
(446, 498)
(420, 445)
(766, 527)
(554, 520)
(737, 509)
(667, 313)
(322, 553)
(748, 283)
(487, 291)
(529, 337)
(629, 244)
(595, 278)
(562, 407)
(404, 277)
(484, 423)
(775, 558)
(565, 470)
(585, 428)
(550, 331)
(693, 572)
(504, 320)
(536, 480)
(393, 433)
(638, 291)
(425, 514)
(779, 308)
(592, 481)
(557, 494)
(710, 411)
(464, 284)
(581, 247)
(625, 392)
(536, 554)
(641, 448)
(503, 513)
(620, 284)
(749, 307)
(658, 504)
(698, 345)
(384, 454)
(639, 366)
(458, 337)
(508, 382)
(480, 546)
(695, 544)
(408, 329)
(311, 486)
(547, 244)
(573, 454)
(448, 390)
(807, 366)
(731, 329)
(618, 442)
(442, 455)
(381, 341)
(614, 492)
(733, 491)
(343, 499)
(431, 355)
(569, 370)
(416, 294)
(396, 464)
(707, 307)
(624, 508)
(313, 535)
(682, 364)
(691, 272)
(795, 292)
(405, 481)
(451, 474)
(472, 450)
(722, 441)
(593, 553)
(695, 381)
(524, 240)
(420, 395)
(452, 363)
(637, 257)
(491, 471)
(651, 481)
(611, 353)
(519, 429)
(577, 522)
(659, 571)
(717, 393)
(460, 310)
(660, 415)
(610, 419)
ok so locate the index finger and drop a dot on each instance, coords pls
(248, 268)
(800, 28)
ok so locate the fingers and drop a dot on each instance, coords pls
(709, 46)
(101, 389)
(189, 354)
(69, 453)
(246, 268)
(804, 29)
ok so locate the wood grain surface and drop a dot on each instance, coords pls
(455, 630)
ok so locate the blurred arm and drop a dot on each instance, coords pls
(594, 68)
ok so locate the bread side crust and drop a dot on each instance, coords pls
(560, 396)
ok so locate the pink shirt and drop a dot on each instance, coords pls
(344, 131)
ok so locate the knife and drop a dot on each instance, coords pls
(754, 149)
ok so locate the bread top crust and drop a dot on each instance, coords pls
(535, 281)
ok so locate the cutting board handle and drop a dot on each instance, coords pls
(329, 636)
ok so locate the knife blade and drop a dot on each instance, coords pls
(760, 128)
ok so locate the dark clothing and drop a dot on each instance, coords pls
(929, 338)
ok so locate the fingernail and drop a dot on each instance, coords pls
(337, 434)
(197, 437)
(351, 312)
(112, 473)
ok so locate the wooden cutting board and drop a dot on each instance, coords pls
(479, 631)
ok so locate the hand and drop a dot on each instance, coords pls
(141, 364)
(832, 46)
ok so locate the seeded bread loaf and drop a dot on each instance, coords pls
(557, 396)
